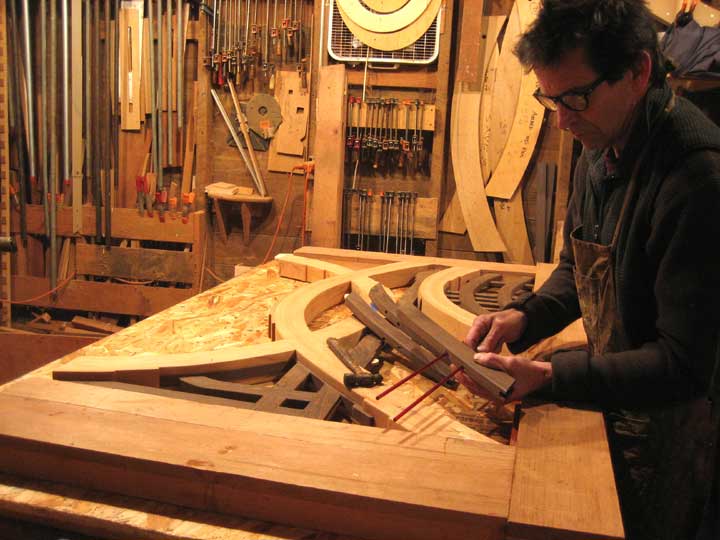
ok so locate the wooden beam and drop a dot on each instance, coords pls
(541, 477)
(329, 157)
(311, 484)
(139, 264)
(126, 223)
(25, 352)
(94, 296)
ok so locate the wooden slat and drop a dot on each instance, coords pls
(311, 483)
(137, 264)
(329, 157)
(555, 444)
(102, 297)
(126, 223)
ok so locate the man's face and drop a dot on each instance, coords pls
(609, 114)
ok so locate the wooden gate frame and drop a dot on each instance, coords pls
(426, 477)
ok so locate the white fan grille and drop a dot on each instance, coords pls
(345, 47)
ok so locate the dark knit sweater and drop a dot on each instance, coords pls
(667, 265)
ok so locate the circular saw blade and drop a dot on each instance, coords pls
(263, 115)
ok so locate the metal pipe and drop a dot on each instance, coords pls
(53, 141)
(171, 146)
(153, 93)
(43, 114)
(30, 102)
(97, 140)
(88, 93)
(107, 136)
(67, 174)
(180, 31)
(159, 89)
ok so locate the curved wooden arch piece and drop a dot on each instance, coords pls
(470, 285)
(512, 287)
(385, 6)
(525, 128)
(379, 22)
(290, 322)
(465, 154)
(393, 41)
(510, 219)
(501, 91)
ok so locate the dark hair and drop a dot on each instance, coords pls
(613, 34)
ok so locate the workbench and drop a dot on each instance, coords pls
(270, 476)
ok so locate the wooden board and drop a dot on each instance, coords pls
(25, 352)
(287, 147)
(138, 264)
(588, 506)
(130, 58)
(94, 296)
(326, 217)
(126, 223)
(5, 225)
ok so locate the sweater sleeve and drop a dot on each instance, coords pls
(678, 363)
(555, 305)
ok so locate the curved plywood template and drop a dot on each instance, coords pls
(501, 91)
(510, 219)
(385, 6)
(399, 39)
(356, 11)
(526, 124)
(465, 152)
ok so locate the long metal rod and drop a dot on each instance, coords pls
(43, 114)
(97, 120)
(108, 125)
(170, 128)
(159, 89)
(180, 53)
(53, 144)
(30, 93)
(67, 173)
(260, 187)
(153, 93)
(426, 394)
(88, 94)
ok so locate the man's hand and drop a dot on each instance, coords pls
(490, 331)
(529, 375)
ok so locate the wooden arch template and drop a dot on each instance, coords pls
(399, 39)
(379, 22)
(526, 124)
(385, 6)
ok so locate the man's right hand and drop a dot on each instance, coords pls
(490, 331)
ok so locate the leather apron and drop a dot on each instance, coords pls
(661, 457)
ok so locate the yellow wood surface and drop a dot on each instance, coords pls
(326, 218)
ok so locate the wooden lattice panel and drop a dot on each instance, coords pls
(4, 172)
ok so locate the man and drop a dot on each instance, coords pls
(640, 263)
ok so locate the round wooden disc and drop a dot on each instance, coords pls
(394, 41)
(385, 6)
(382, 23)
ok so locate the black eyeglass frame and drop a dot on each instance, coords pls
(551, 102)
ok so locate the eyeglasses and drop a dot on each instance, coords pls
(577, 99)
